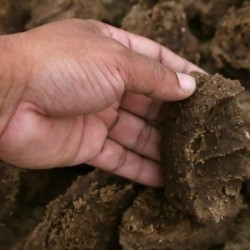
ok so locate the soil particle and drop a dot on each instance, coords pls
(206, 150)
(87, 216)
(151, 223)
(231, 45)
(9, 183)
(165, 23)
(46, 11)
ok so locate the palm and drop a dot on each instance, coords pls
(113, 137)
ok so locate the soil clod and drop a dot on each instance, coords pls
(151, 223)
(206, 150)
(87, 216)
(165, 23)
(231, 44)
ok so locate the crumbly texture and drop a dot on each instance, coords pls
(46, 11)
(243, 101)
(241, 233)
(87, 216)
(151, 223)
(13, 15)
(36, 189)
(231, 44)
(202, 13)
(208, 13)
(9, 182)
(205, 150)
(165, 23)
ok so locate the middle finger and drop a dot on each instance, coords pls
(136, 134)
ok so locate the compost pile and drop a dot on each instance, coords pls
(205, 144)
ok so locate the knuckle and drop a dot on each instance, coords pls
(159, 80)
(159, 74)
(120, 163)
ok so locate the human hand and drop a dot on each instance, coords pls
(83, 92)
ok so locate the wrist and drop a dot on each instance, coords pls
(12, 77)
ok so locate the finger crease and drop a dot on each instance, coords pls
(113, 124)
(143, 138)
(121, 162)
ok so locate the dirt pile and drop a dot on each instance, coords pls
(207, 14)
(9, 183)
(46, 11)
(87, 216)
(205, 143)
(243, 102)
(233, 35)
(13, 15)
(165, 23)
(240, 232)
(151, 223)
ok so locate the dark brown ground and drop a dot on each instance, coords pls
(9, 184)
(240, 232)
(13, 15)
(88, 214)
(48, 11)
(232, 31)
(151, 223)
(207, 14)
(165, 23)
(206, 144)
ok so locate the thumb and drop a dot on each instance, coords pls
(149, 77)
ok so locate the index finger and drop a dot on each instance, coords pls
(149, 48)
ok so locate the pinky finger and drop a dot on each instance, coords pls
(120, 161)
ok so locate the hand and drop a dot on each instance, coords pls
(85, 92)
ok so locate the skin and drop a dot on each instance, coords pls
(77, 91)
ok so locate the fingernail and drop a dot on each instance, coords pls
(187, 82)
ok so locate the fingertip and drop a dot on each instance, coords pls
(187, 83)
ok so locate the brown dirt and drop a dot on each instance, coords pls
(46, 11)
(111, 11)
(12, 15)
(35, 190)
(243, 101)
(166, 23)
(240, 232)
(87, 216)
(207, 14)
(233, 34)
(206, 144)
(151, 222)
(9, 183)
